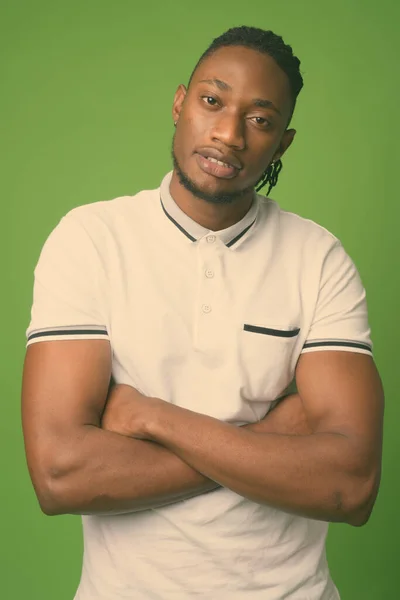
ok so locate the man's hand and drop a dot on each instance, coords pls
(128, 411)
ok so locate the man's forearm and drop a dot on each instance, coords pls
(115, 474)
(110, 473)
(316, 475)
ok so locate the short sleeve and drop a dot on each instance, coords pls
(69, 293)
(340, 319)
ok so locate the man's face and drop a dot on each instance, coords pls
(236, 110)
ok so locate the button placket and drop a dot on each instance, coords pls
(208, 257)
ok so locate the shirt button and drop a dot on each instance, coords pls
(211, 239)
(209, 273)
(206, 308)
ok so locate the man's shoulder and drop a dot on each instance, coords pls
(107, 211)
(297, 226)
(99, 222)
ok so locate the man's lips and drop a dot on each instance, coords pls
(220, 170)
(228, 159)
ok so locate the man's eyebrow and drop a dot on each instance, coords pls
(259, 102)
(266, 104)
(220, 84)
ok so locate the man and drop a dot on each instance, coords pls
(204, 301)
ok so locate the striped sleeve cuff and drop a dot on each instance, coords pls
(334, 344)
(70, 332)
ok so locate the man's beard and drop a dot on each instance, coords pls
(215, 198)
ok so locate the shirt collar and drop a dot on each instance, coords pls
(193, 230)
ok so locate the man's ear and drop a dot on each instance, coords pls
(178, 101)
(286, 142)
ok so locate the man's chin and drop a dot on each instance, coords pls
(210, 189)
(214, 194)
(214, 191)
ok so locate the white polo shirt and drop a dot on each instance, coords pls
(213, 321)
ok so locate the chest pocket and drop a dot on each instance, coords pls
(267, 356)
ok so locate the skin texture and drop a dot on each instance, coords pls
(125, 404)
(79, 455)
(317, 454)
(224, 116)
(330, 474)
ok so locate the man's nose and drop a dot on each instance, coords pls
(230, 130)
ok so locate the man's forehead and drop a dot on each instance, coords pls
(245, 69)
(237, 61)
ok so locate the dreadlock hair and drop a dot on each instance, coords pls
(273, 45)
(270, 176)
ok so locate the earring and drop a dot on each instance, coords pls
(175, 122)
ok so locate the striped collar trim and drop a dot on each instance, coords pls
(194, 231)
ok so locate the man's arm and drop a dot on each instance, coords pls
(332, 474)
(77, 467)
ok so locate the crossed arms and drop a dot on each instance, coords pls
(317, 454)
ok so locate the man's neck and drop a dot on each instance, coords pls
(214, 217)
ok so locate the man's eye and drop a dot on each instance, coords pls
(261, 121)
(209, 100)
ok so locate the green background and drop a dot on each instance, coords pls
(86, 91)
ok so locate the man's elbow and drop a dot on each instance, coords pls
(362, 499)
(360, 517)
(54, 488)
(50, 502)
(50, 507)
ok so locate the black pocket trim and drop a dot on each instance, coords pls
(268, 331)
